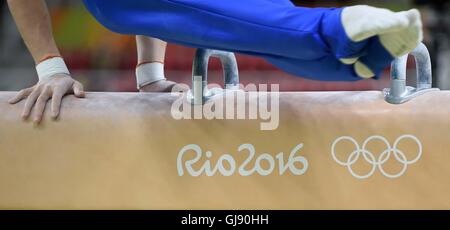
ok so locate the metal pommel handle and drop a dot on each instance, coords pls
(400, 93)
(200, 92)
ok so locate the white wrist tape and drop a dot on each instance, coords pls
(50, 67)
(148, 73)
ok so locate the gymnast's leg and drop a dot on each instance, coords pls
(364, 38)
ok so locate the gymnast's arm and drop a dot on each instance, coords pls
(150, 75)
(33, 21)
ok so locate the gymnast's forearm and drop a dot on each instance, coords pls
(33, 21)
(150, 49)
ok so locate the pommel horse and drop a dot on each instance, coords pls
(331, 150)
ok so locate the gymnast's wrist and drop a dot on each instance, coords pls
(148, 73)
(51, 65)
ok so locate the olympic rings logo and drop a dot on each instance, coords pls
(371, 159)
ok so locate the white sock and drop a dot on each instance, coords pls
(399, 33)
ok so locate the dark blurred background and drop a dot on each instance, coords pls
(105, 61)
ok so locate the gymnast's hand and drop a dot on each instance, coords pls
(33, 21)
(55, 88)
(159, 86)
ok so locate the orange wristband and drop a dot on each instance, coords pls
(48, 56)
(147, 62)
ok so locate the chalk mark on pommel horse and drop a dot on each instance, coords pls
(122, 151)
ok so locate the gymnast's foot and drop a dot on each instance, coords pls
(399, 33)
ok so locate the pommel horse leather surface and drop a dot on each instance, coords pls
(121, 151)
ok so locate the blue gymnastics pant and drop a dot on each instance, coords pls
(306, 42)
